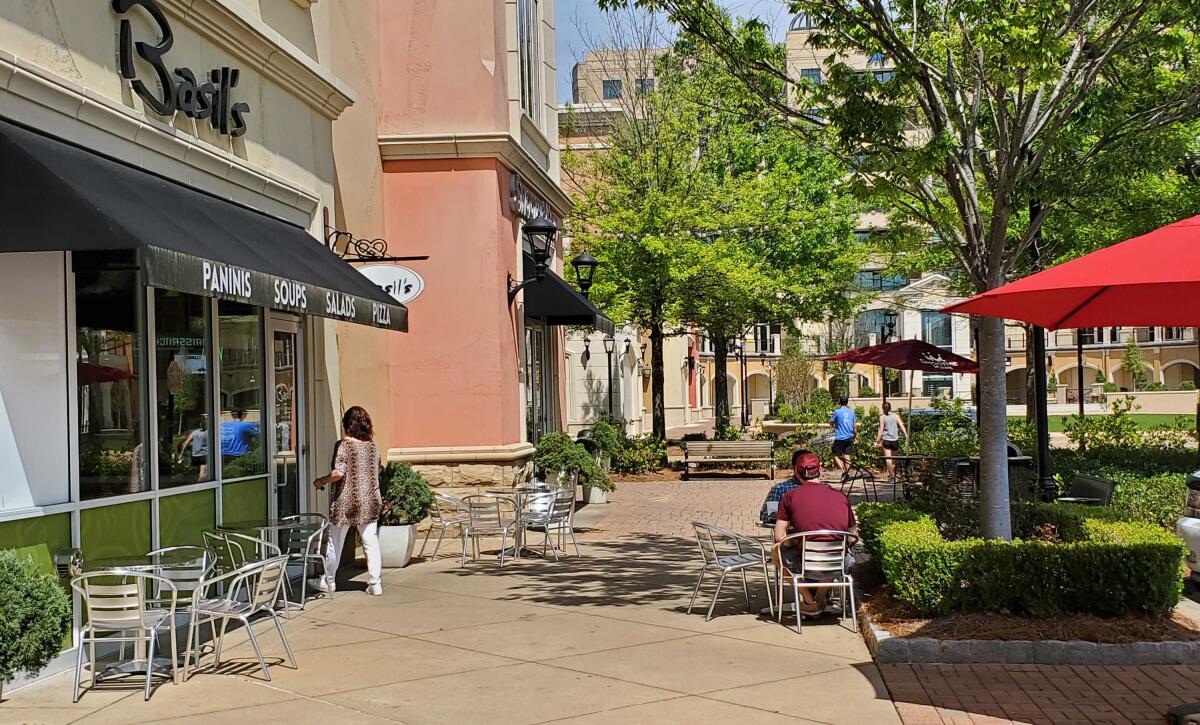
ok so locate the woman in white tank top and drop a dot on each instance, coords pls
(887, 439)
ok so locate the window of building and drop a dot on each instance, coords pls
(936, 329)
(612, 89)
(885, 76)
(936, 383)
(1091, 335)
(878, 281)
(529, 56)
(183, 386)
(240, 334)
(645, 86)
(868, 327)
(108, 325)
(811, 74)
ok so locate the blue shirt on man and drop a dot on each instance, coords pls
(843, 423)
(237, 437)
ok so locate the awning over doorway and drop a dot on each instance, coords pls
(55, 196)
(558, 303)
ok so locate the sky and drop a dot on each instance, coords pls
(577, 20)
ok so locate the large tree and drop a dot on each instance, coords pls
(706, 211)
(994, 104)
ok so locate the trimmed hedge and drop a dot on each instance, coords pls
(1102, 565)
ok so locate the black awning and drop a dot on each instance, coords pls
(558, 303)
(55, 196)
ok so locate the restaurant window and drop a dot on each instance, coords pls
(240, 333)
(1091, 335)
(645, 86)
(935, 329)
(528, 56)
(869, 327)
(108, 325)
(182, 332)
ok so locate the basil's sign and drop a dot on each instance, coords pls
(196, 97)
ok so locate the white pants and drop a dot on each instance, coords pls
(369, 533)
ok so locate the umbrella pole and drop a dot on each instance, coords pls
(908, 423)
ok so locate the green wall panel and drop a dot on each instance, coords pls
(183, 516)
(244, 500)
(43, 535)
(120, 530)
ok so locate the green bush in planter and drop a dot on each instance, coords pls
(35, 613)
(1101, 565)
(1187, 385)
(557, 452)
(407, 497)
(641, 454)
(607, 438)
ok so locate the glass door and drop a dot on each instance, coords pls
(288, 447)
(535, 383)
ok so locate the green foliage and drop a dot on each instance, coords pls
(1089, 562)
(607, 438)
(1155, 499)
(407, 497)
(1155, 387)
(1111, 388)
(1024, 434)
(816, 409)
(35, 613)
(1133, 364)
(558, 453)
(949, 433)
(727, 433)
(1118, 429)
(1052, 383)
(640, 454)
(1099, 376)
(1187, 385)
(865, 391)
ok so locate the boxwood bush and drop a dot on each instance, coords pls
(1088, 560)
(35, 613)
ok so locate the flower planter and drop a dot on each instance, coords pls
(593, 494)
(396, 545)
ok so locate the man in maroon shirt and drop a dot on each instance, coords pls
(811, 506)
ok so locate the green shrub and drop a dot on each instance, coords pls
(558, 453)
(641, 454)
(35, 613)
(865, 391)
(1154, 499)
(1187, 385)
(1118, 428)
(726, 433)
(1155, 387)
(1111, 388)
(1099, 565)
(407, 497)
(607, 438)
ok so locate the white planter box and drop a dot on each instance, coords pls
(396, 545)
(595, 495)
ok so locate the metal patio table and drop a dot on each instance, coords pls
(520, 496)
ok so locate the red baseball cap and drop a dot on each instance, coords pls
(809, 463)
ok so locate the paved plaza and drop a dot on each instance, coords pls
(602, 638)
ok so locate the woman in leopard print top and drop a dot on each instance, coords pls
(354, 500)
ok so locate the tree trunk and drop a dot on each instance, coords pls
(658, 414)
(993, 432)
(721, 384)
(1030, 378)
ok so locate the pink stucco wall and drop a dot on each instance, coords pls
(454, 376)
(444, 66)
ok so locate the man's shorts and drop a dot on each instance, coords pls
(843, 446)
(892, 446)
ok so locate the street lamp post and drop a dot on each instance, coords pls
(610, 344)
(585, 267)
(741, 348)
(886, 331)
(762, 361)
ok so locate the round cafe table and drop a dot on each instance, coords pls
(520, 495)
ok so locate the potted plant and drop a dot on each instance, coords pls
(407, 499)
(557, 455)
(607, 438)
(596, 483)
(35, 614)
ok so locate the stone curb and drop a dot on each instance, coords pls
(887, 649)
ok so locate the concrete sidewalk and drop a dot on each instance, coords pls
(602, 638)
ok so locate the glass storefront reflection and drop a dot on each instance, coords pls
(241, 418)
(181, 323)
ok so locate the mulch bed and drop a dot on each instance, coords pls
(669, 474)
(898, 619)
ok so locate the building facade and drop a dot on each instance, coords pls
(170, 311)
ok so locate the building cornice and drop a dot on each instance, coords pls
(485, 144)
(462, 454)
(120, 124)
(266, 51)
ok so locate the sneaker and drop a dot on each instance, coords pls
(321, 584)
(375, 589)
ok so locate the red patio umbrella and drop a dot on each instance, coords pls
(91, 374)
(909, 355)
(1153, 279)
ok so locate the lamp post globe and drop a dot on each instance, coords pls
(541, 234)
(585, 267)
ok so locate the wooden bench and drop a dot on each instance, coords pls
(1090, 490)
(700, 452)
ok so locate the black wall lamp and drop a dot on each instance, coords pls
(587, 354)
(541, 233)
(585, 267)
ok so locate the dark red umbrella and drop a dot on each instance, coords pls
(90, 374)
(1149, 280)
(909, 355)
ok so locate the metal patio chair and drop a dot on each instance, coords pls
(552, 512)
(124, 612)
(489, 515)
(822, 562)
(261, 582)
(302, 545)
(728, 552)
(448, 511)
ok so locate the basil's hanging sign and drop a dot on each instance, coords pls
(207, 96)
